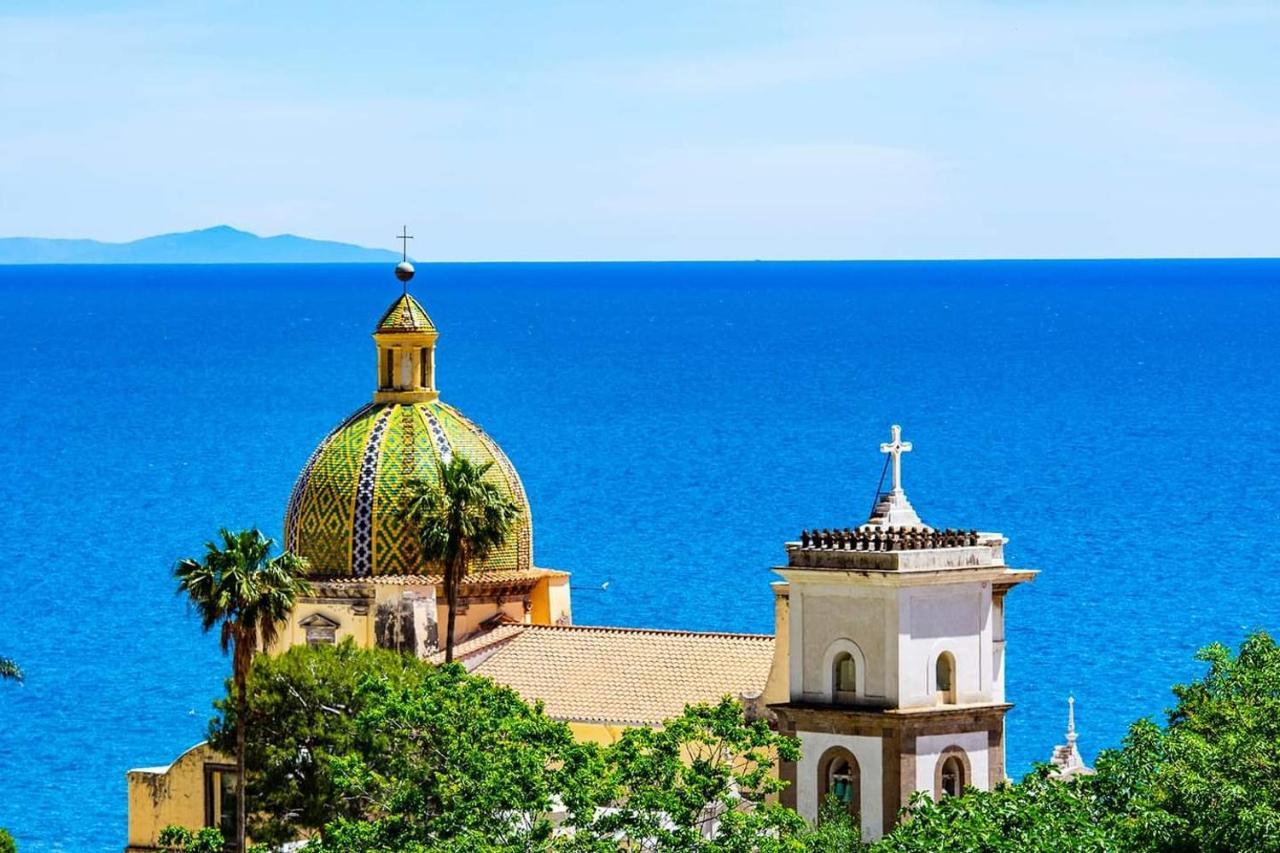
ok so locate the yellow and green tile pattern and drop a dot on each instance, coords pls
(344, 513)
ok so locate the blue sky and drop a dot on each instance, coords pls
(601, 130)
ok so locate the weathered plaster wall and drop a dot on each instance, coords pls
(868, 750)
(160, 796)
(929, 749)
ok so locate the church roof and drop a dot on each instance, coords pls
(619, 675)
(406, 315)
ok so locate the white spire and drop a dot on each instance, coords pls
(1066, 757)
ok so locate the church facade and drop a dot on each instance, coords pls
(887, 662)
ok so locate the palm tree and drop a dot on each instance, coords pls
(461, 518)
(241, 587)
(10, 670)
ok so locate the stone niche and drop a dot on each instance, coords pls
(406, 622)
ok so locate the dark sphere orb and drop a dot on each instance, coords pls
(404, 270)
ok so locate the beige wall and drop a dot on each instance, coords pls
(864, 617)
(173, 795)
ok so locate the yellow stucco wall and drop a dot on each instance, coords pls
(173, 795)
(601, 733)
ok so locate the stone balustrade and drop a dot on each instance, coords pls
(876, 538)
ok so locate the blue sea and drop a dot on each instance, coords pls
(674, 425)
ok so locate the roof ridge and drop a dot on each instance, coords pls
(621, 629)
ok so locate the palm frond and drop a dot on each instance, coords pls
(10, 670)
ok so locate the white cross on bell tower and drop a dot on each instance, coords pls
(895, 449)
(892, 508)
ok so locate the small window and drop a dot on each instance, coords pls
(389, 371)
(945, 674)
(220, 791)
(422, 367)
(952, 784)
(844, 677)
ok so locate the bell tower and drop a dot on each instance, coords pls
(895, 659)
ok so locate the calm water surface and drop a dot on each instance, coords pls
(674, 424)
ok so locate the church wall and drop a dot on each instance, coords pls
(175, 795)
(472, 616)
(952, 618)
(354, 620)
(929, 749)
(601, 733)
(869, 753)
(550, 602)
(863, 616)
(777, 686)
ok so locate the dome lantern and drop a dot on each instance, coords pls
(405, 339)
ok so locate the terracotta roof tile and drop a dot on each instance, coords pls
(619, 675)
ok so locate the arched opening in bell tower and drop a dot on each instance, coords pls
(945, 678)
(840, 777)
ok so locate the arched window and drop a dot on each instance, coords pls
(844, 677)
(952, 773)
(952, 777)
(840, 777)
(945, 678)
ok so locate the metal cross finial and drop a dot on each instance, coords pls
(895, 449)
(404, 237)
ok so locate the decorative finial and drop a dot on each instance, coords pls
(1071, 719)
(404, 269)
(896, 448)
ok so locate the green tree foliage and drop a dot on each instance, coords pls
(243, 590)
(9, 670)
(835, 832)
(456, 762)
(7, 844)
(1211, 779)
(302, 715)
(703, 781)
(374, 750)
(461, 518)
(1040, 813)
(178, 839)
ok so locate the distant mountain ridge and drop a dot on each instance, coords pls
(221, 244)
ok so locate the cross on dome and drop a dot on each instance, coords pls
(895, 449)
(404, 237)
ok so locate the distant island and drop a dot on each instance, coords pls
(219, 245)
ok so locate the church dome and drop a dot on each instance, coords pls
(344, 513)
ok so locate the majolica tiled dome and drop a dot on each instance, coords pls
(343, 513)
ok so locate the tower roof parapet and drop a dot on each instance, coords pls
(870, 537)
(896, 549)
